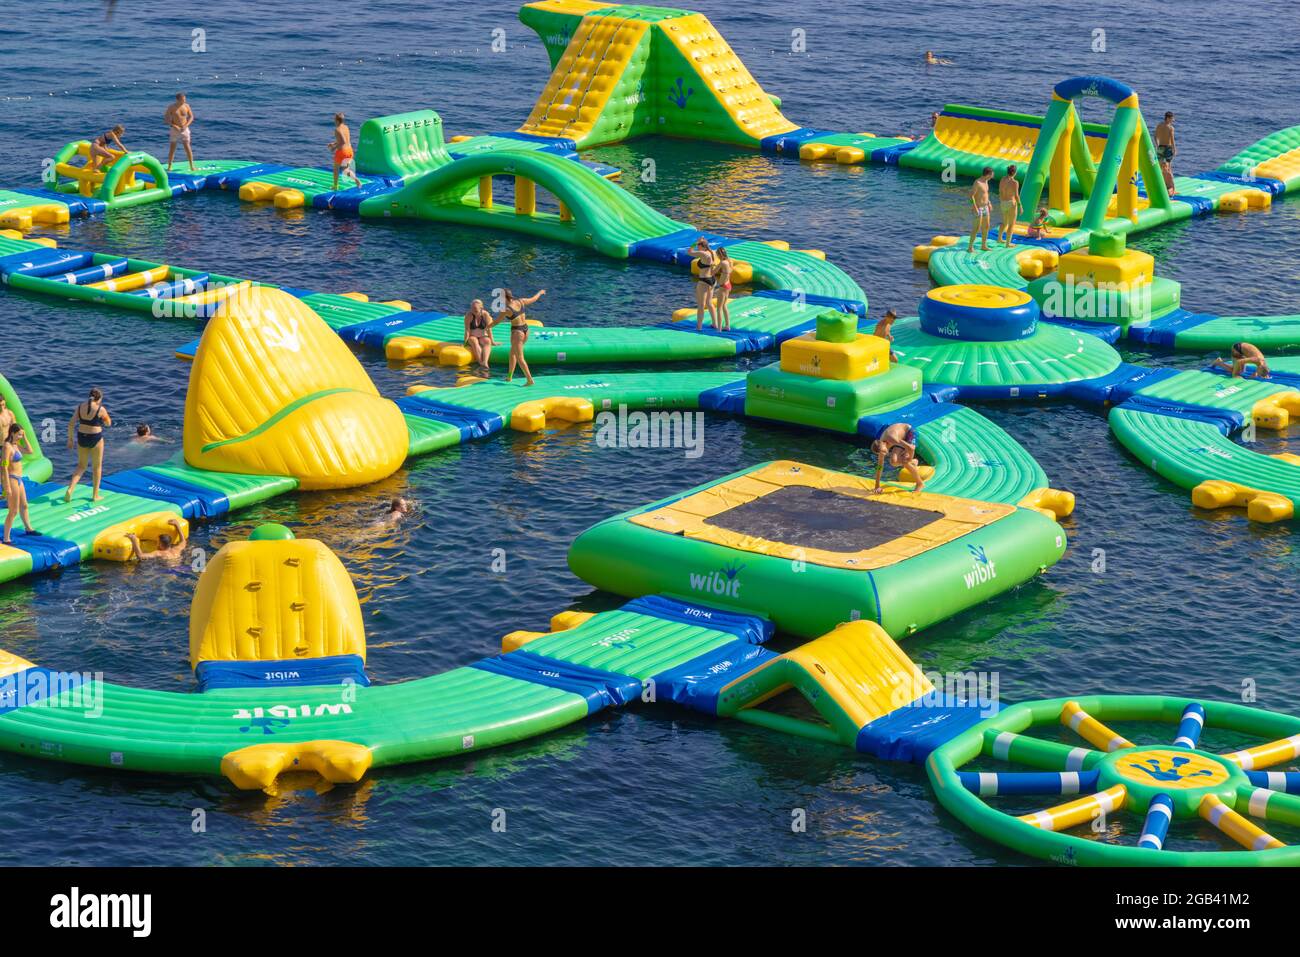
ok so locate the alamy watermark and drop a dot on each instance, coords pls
(659, 429)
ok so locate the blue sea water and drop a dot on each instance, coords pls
(1189, 602)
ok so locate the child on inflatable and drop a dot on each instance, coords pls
(1038, 228)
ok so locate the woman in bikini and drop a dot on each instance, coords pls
(478, 336)
(514, 314)
(86, 429)
(1244, 354)
(15, 440)
(704, 282)
(722, 289)
(100, 151)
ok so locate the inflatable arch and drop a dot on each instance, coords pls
(593, 212)
(1129, 153)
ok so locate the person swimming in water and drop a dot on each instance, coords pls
(979, 198)
(169, 547)
(705, 282)
(341, 146)
(722, 290)
(932, 60)
(514, 313)
(11, 469)
(897, 447)
(144, 435)
(478, 337)
(885, 330)
(86, 427)
(1243, 354)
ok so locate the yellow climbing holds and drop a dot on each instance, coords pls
(532, 416)
(275, 601)
(1260, 506)
(257, 766)
(1276, 411)
(1052, 502)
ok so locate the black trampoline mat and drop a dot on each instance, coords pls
(823, 518)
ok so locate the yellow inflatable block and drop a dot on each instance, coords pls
(532, 416)
(44, 214)
(1082, 266)
(807, 355)
(814, 253)
(815, 151)
(257, 766)
(401, 304)
(1260, 506)
(273, 391)
(11, 664)
(780, 244)
(112, 545)
(44, 241)
(289, 199)
(1288, 457)
(255, 192)
(356, 296)
(404, 347)
(10, 233)
(1241, 200)
(562, 621)
(850, 155)
(1052, 502)
(1276, 411)
(275, 601)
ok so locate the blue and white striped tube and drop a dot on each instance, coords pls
(88, 274)
(991, 783)
(1160, 814)
(1287, 781)
(1189, 728)
(172, 288)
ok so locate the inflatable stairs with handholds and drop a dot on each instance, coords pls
(273, 391)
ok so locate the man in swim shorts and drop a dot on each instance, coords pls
(1166, 148)
(178, 117)
(979, 198)
(169, 547)
(342, 147)
(1244, 354)
(1009, 201)
(897, 446)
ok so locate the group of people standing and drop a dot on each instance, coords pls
(479, 339)
(712, 285)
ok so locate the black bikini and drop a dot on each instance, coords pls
(88, 440)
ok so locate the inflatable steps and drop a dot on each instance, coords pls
(870, 695)
(1276, 157)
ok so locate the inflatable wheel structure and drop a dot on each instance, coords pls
(1169, 788)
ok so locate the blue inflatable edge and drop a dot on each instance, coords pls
(473, 423)
(194, 501)
(1164, 330)
(750, 628)
(1265, 183)
(375, 332)
(47, 553)
(913, 731)
(1105, 331)
(923, 410)
(1225, 420)
(601, 689)
(332, 670)
(697, 683)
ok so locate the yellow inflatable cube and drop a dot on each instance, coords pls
(843, 361)
(1082, 266)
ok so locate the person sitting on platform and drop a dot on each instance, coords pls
(885, 330)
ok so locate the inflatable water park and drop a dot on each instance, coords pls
(785, 595)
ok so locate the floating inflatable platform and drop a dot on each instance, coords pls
(810, 548)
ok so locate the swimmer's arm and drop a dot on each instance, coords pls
(135, 547)
(180, 532)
